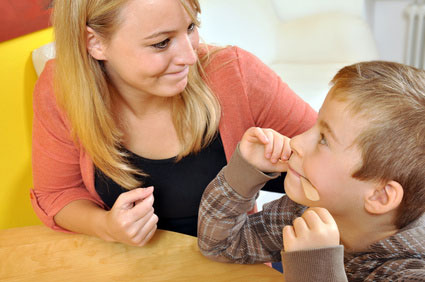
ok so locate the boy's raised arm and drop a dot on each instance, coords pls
(225, 232)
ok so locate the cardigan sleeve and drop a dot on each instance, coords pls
(251, 94)
(57, 175)
(272, 102)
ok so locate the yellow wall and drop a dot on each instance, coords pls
(17, 79)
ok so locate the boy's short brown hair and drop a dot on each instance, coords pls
(391, 97)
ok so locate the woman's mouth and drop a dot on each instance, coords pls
(179, 74)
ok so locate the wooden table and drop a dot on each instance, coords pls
(36, 253)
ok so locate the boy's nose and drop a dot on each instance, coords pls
(296, 147)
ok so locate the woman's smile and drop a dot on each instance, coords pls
(178, 75)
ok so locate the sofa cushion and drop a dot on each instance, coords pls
(324, 38)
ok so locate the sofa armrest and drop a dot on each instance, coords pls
(41, 55)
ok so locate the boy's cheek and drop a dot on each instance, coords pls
(293, 189)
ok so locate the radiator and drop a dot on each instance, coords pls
(415, 34)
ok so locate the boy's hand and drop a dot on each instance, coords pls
(315, 229)
(265, 149)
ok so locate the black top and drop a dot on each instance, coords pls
(178, 186)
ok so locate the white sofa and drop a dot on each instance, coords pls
(304, 41)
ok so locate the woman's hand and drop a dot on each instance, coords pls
(315, 229)
(265, 149)
(132, 220)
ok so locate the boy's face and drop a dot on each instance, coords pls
(327, 156)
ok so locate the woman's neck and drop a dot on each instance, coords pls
(140, 106)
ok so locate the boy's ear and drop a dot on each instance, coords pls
(95, 47)
(384, 198)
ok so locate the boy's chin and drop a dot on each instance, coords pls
(296, 194)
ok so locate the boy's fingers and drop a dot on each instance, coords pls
(324, 215)
(300, 226)
(312, 219)
(288, 232)
(268, 150)
(256, 134)
(280, 166)
(278, 146)
(287, 151)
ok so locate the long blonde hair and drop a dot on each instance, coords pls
(82, 90)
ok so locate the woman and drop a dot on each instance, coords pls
(134, 101)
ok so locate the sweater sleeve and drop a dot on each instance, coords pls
(322, 264)
(226, 233)
(272, 102)
(55, 157)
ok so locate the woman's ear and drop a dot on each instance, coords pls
(95, 47)
(384, 198)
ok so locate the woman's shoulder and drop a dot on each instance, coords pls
(229, 55)
(232, 65)
(45, 104)
(43, 89)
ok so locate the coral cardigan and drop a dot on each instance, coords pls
(249, 92)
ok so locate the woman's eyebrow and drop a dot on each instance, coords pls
(157, 34)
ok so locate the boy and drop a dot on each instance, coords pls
(360, 169)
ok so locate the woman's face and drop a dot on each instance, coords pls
(152, 49)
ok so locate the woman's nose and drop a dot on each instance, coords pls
(186, 55)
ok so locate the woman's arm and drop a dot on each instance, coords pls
(60, 197)
(130, 221)
(83, 216)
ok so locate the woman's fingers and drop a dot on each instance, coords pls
(146, 231)
(132, 217)
(127, 199)
(141, 208)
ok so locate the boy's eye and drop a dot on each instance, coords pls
(191, 27)
(322, 140)
(161, 45)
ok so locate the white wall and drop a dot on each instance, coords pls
(389, 25)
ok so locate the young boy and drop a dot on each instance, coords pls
(360, 169)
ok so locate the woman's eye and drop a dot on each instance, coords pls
(322, 140)
(162, 45)
(191, 27)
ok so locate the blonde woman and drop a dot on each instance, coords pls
(134, 109)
